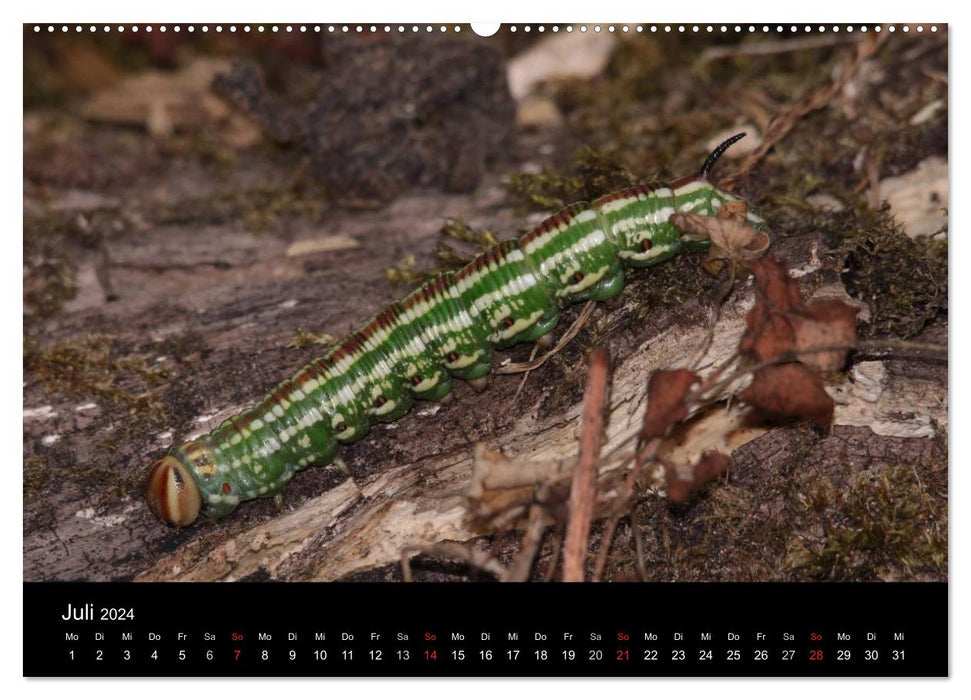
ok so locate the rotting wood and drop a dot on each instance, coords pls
(327, 533)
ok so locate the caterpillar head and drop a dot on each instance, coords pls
(172, 492)
(188, 481)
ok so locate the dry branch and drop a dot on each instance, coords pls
(583, 491)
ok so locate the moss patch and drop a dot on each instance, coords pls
(260, 209)
(448, 257)
(50, 269)
(904, 281)
(879, 525)
(821, 512)
(97, 367)
(303, 338)
(590, 174)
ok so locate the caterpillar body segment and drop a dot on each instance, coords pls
(448, 328)
(575, 254)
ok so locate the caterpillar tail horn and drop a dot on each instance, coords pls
(717, 153)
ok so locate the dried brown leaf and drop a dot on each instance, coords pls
(733, 210)
(682, 481)
(790, 390)
(830, 323)
(780, 323)
(769, 331)
(666, 392)
(736, 240)
(695, 224)
(774, 286)
(732, 238)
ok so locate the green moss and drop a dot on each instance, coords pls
(303, 338)
(812, 519)
(50, 269)
(902, 280)
(590, 174)
(130, 387)
(404, 272)
(48, 284)
(458, 230)
(879, 524)
(36, 476)
(261, 209)
(39, 474)
(95, 367)
(448, 257)
(671, 285)
(213, 151)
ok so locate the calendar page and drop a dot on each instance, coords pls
(349, 347)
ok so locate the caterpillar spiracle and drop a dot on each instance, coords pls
(445, 329)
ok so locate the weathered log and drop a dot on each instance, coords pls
(410, 477)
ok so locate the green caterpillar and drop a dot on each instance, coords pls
(447, 328)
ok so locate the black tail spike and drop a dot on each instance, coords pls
(717, 153)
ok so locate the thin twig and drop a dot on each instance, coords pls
(583, 488)
(538, 522)
(644, 457)
(722, 297)
(554, 555)
(522, 384)
(780, 127)
(635, 529)
(517, 367)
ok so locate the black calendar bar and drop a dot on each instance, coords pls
(341, 630)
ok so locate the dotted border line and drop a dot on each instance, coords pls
(428, 28)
